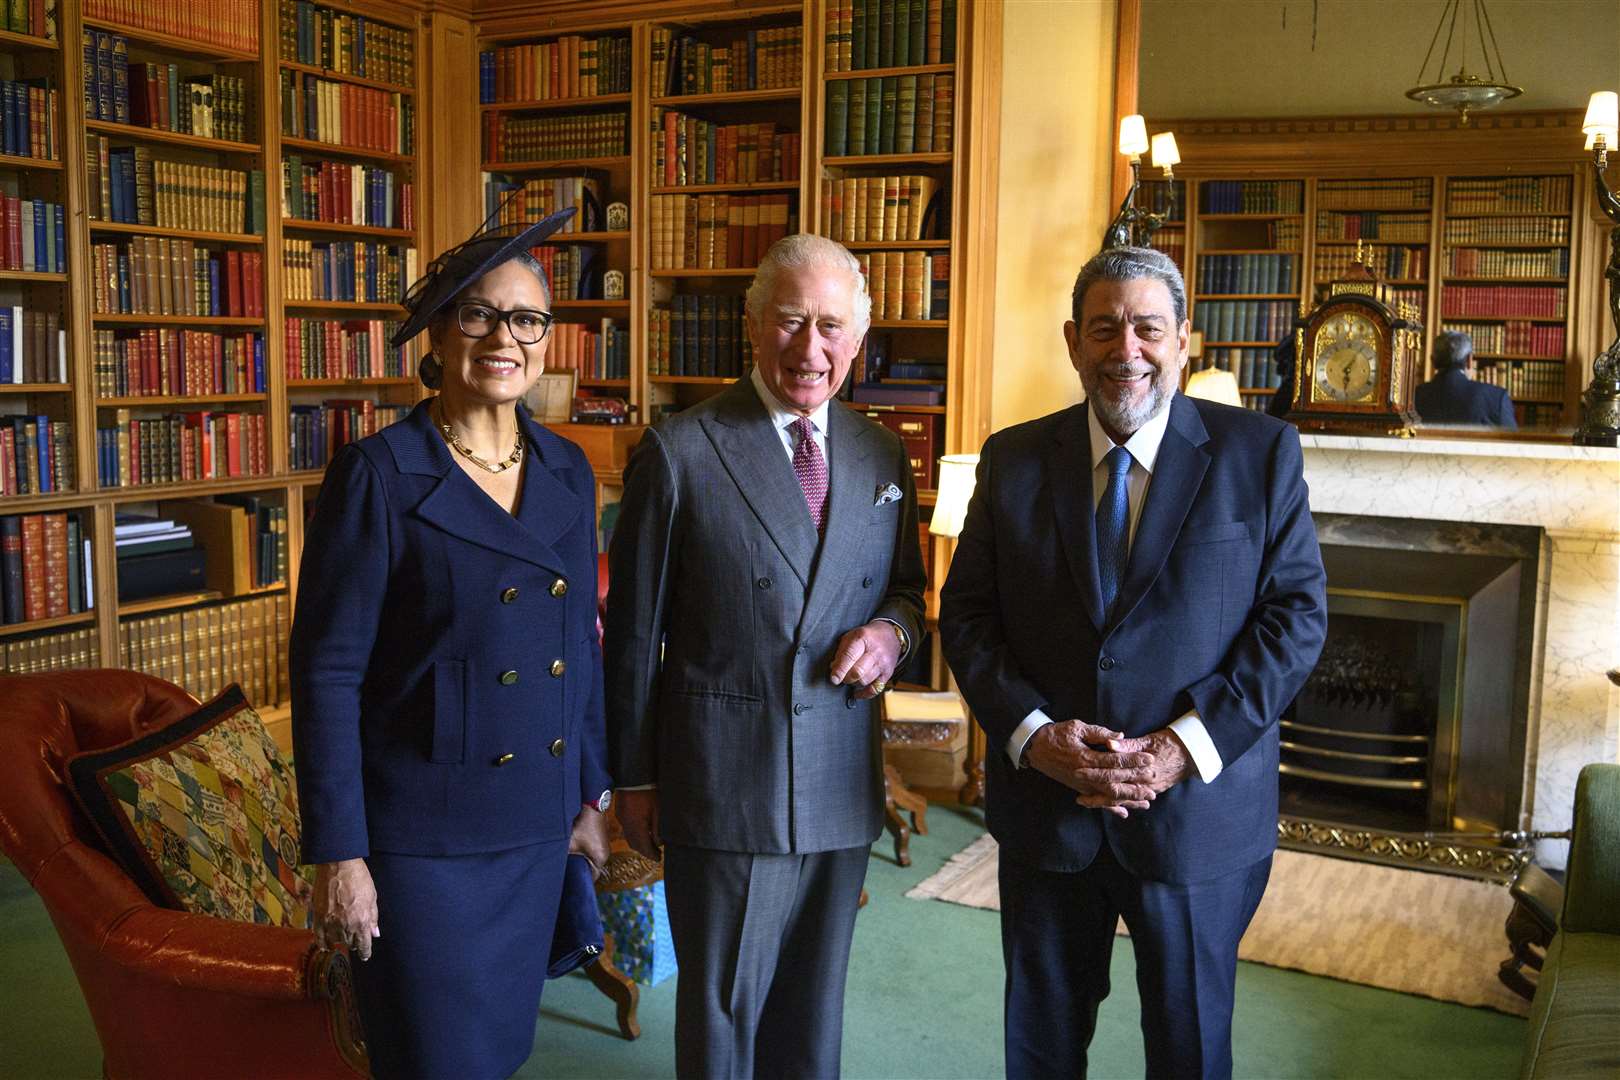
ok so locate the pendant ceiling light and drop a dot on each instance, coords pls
(1464, 91)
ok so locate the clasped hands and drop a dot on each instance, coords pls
(1107, 770)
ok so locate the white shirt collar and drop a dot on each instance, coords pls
(1143, 445)
(781, 415)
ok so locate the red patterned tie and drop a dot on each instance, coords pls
(811, 469)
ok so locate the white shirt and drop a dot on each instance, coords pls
(783, 418)
(1143, 446)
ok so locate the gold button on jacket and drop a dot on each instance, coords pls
(559, 587)
(557, 748)
(557, 668)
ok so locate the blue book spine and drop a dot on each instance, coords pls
(214, 307)
(59, 224)
(258, 364)
(360, 47)
(8, 373)
(486, 77)
(123, 282)
(42, 446)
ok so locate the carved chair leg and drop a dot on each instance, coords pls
(902, 835)
(618, 986)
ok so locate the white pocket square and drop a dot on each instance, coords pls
(887, 493)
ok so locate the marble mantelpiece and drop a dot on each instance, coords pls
(1571, 492)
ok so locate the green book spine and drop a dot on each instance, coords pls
(902, 33)
(905, 121)
(891, 107)
(947, 31)
(919, 23)
(873, 17)
(837, 142)
(857, 116)
(857, 35)
(256, 202)
(874, 115)
(886, 33)
(17, 16)
(924, 141)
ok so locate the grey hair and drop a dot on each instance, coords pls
(1128, 264)
(801, 250)
(1452, 349)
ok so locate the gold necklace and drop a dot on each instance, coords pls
(461, 448)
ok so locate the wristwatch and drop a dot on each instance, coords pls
(901, 635)
(602, 802)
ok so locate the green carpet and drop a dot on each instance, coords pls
(924, 1001)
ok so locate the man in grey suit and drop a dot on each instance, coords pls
(766, 581)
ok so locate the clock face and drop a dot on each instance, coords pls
(1345, 362)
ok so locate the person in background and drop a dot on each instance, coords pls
(447, 685)
(1453, 397)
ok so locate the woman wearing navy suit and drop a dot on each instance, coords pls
(447, 685)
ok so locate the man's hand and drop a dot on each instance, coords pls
(638, 816)
(1171, 762)
(867, 657)
(1116, 779)
(346, 906)
(590, 838)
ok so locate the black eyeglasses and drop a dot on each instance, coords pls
(526, 325)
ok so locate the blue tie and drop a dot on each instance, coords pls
(1114, 526)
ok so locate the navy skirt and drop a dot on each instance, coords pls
(453, 984)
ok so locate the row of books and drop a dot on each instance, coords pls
(33, 235)
(1486, 263)
(347, 44)
(35, 654)
(1287, 234)
(1525, 230)
(1530, 301)
(346, 194)
(1247, 273)
(343, 349)
(1515, 337)
(358, 117)
(1522, 379)
(246, 538)
(771, 58)
(169, 362)
(699, 335)
(180, 447)
(1415, 298)
(317, 432)
(877, 362)
(45, 567)
(233, 24)
(555, 138)
(33, 346)
(130, 186)
(28, 120)
(599, 352)
(894, 114)
(346, 270)
(510, 201)
(37, 18)
(1243, 320)
(1251, 196)
(862, 34)
(908, 284)
(883, 209)
(1507, 195)
(208, 106)
(36, 455)
(1395, 228)
(690, 150)
(1173, 242)
(155, 275)
(572, 66)
(574, 270)
(207, 649)
(1410, 193)
(1254, 369)
(716, 232)
(1398, 263)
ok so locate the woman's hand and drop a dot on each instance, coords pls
(590, 838)
(346, 906)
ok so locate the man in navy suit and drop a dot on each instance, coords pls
(1136, 596)
(1453, 397)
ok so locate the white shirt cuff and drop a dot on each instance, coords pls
(1189, 728)
(1022, 733)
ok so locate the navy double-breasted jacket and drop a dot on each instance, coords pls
(446, 678)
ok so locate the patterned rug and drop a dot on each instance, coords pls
(1418, 933)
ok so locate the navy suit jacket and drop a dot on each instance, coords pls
(426, 646)
(1222, 610)
(1451, 397)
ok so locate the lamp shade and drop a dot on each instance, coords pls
(1603, 116)
(1165, 152)
(1133, 138)
(957, 477)
(1213, 384)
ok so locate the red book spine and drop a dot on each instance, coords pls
(33, 560)
(233, 274)
(233, 444)
(56, 566)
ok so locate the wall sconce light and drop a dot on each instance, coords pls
(1134, 226)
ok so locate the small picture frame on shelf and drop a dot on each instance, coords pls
(613, 285)
(618, 217)
(551, 399)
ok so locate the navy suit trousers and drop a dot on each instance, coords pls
(1057, 933)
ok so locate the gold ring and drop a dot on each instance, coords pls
(879, 686)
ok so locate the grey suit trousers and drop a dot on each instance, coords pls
(762, 943)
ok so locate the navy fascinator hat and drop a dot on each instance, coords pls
(464, 264)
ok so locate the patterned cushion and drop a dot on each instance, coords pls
(202, 815)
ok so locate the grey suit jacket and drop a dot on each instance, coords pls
(723, 618)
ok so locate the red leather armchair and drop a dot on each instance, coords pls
(172, 994)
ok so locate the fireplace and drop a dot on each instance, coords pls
(1415, 721)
